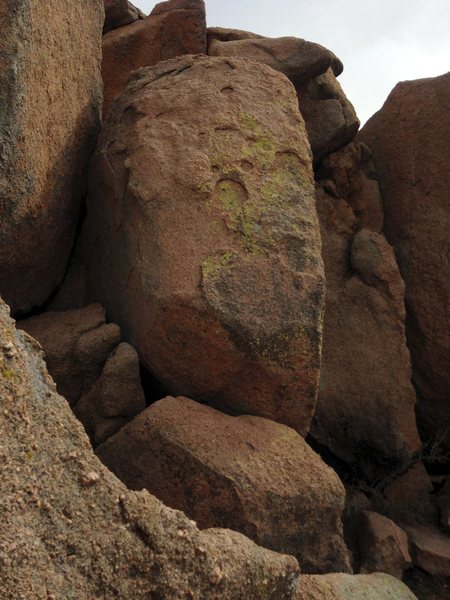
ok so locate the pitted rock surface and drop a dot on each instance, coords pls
(202, 236)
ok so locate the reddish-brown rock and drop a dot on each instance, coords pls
(97, 374)
(339, 586)
(70, 529)
(409, 495)
(298, 59)
(350, 174)
(330, 118)
(172, 29)
(247, 473)
(119, 13)
(365, 411)
(410, 140)
(430, 550)
(382, 546)
(50, 97)
(202, 236)
(114, 398)
(229, 35)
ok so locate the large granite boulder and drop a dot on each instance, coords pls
(172, 29)
(410, 140)
(50, 96)
(330, 118)
(247, 473)
(70, 529)
(298, 59)
(202, 238)
(365, 411)
(93, 370)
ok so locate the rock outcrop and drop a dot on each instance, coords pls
(246, 473)
(172, 29)
(93, 370)
(70, 529)
(49, 119)
(410, 140)
(365, 411)
(201, 210)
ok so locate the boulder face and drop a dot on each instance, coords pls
(172, 29)
(298, 59)
(365, 411)
(50, 98)
(70, 529)
(330, 118)
(247, 473)
(202, 237)
(410, 140)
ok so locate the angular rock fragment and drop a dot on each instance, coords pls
(69, 526)
(409, 495)
(172, 29)
(430, 550)
(50, 98)
(337, 586)
(382, 545)
(250, 474)
(410, 140)
(202, 238)
(97, 374)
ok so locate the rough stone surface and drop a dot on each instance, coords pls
(49, 118)
(250, 474)
(115, 397)
(97, 375)
(330, 118)
(298, 59)
(339, 586)
(202, 209)
(230, 35)
(76, 345)
(365, 411)
(350, 174)
(70, 529)
(430, 550)
(172, 29)
(410, 140)
(409, 495)
(383, 546)
(119, 13)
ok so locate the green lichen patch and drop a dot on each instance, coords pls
(212, 266)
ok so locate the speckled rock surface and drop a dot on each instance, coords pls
(70, 529)
(246, 473)
(365, 410)
(119, 13)
(172, 29)
(352, 587)
(49, 119)
(98, 375)
(410, 140)
(202, 236)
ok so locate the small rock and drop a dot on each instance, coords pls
(430, 550)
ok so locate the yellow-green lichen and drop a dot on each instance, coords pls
(214, 263)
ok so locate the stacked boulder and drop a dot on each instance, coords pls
(235, 236)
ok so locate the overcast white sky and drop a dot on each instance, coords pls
(380, 42)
